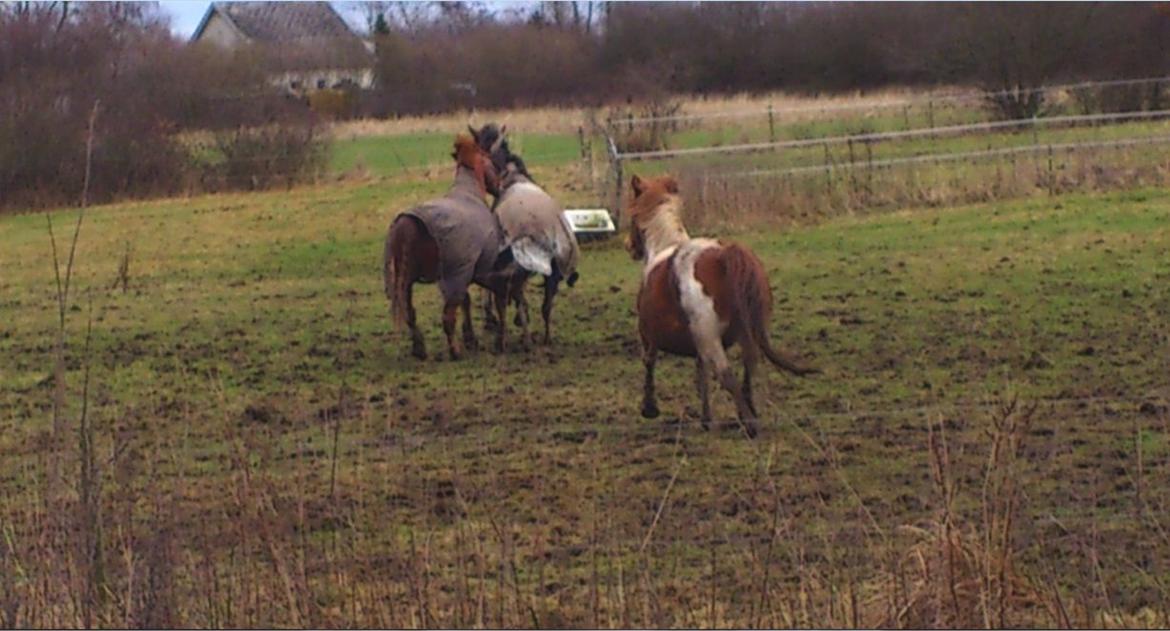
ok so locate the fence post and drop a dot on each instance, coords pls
(852, 174)
(868, 171)
(828, 175)
(587, 150)
(1052, 177)
(930, 113)
(771, 123)
(615, 160)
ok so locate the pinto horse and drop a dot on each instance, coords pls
(698, 298)
(453, 240)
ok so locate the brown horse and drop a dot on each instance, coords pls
(698, 298)
(453, 240)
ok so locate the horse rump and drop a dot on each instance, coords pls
(753, 305)
(405, 234)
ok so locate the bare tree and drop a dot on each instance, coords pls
(1014, 48)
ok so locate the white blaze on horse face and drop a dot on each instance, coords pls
(706, 328)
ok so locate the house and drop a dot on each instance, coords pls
(307, 45)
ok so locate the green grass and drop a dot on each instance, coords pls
(389, 155)
(249, 316)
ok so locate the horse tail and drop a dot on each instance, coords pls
(753, 305)
(394, 278)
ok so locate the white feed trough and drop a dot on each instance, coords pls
(590, 223)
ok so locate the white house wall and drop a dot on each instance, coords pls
(219, 32)
(308, 79)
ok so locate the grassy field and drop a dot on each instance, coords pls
(269, 454)
(393, 155)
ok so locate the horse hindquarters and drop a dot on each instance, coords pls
(410, 256)
(751, 297)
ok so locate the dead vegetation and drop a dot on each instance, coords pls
(737, 202)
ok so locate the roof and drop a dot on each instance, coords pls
(279, 22)
(305, 31)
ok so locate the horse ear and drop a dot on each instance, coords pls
(638, 185)
(503, 129)
(474, 134)
(671, 185)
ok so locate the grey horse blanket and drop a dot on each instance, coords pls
(467, 232)
(535, 228)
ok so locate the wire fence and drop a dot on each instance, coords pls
(934, 132)
(954, 157)
(953, 97)
(1127, 125)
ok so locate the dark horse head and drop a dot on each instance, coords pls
(493, 139)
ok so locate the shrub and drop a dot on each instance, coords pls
(287, 153)
(333, 104)
(57, 60)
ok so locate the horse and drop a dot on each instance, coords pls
(698, 298)
(535, 228)
(453, 240)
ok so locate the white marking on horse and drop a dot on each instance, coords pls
(706, 328)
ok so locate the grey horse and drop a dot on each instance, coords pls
(535, 229)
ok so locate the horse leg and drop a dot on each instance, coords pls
(517, 291)
(649, 357)
(450, 315)
(708, 342)
(490, 323)
(501, 299)
(550, 292)
(469, 340)
(418, 347)
(751, 355)
(701, 386)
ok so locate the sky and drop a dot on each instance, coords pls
(186, 14)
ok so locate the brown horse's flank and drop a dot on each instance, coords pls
(412, 254)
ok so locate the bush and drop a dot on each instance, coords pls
(57, 60)
(333, 104)
(288, 153)
(630, 135)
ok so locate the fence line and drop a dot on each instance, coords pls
(897, 135)
(954, 157)
(941, 98)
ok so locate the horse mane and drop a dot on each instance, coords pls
(665, 224)
(656, 210)
(502, 156)
(468, 154)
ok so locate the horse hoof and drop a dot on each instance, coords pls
(705, 424)
(471, 344)
(455, 354)
(419, 352)
(650, 411)
(751, 428)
